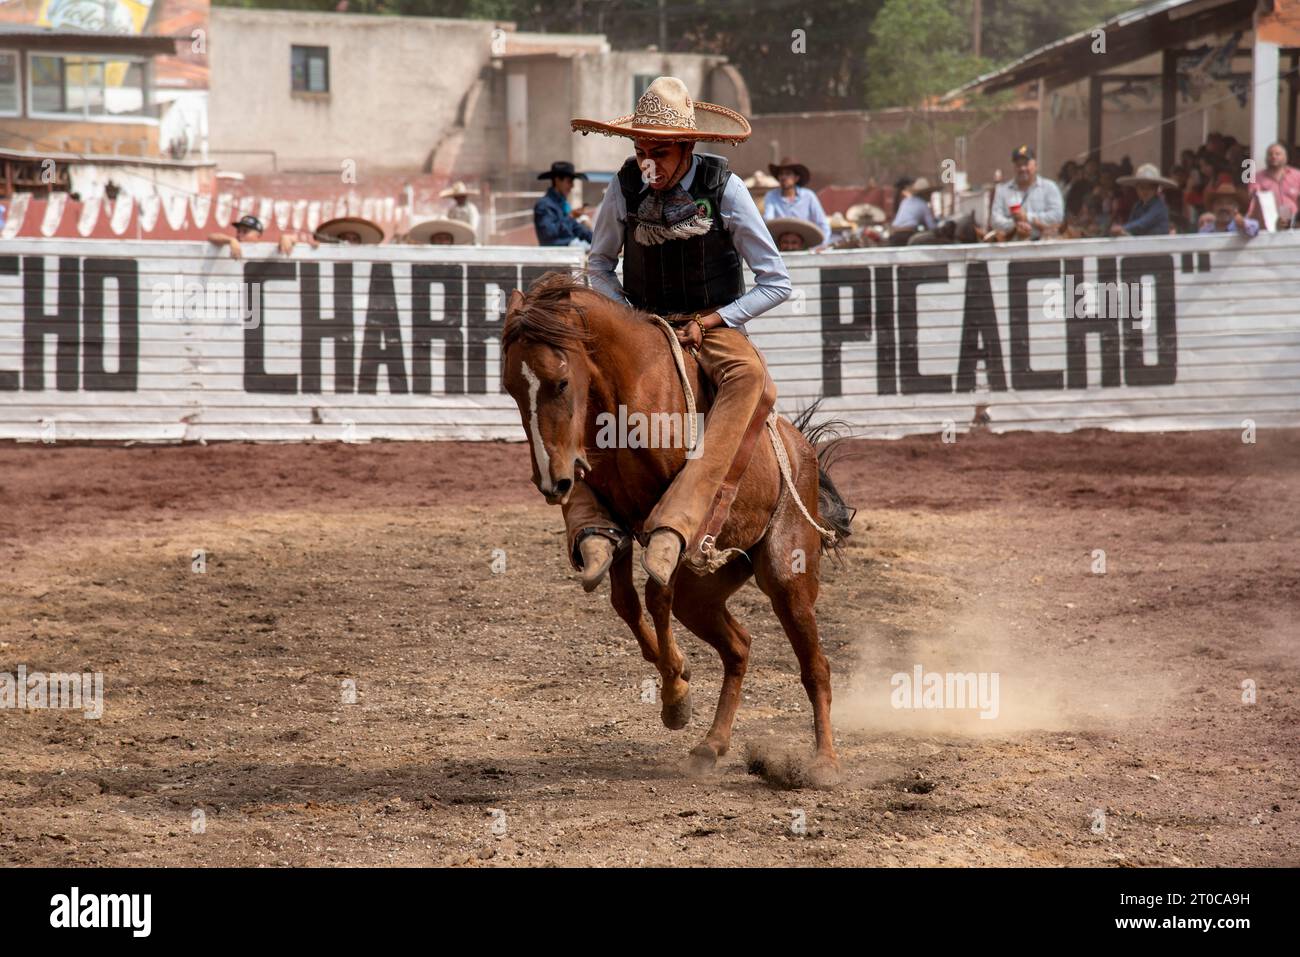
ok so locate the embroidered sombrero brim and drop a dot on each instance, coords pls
(812, 235)
(461, 234)
(713, 124)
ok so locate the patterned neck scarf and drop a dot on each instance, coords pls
(669, 214)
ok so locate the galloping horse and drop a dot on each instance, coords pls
(570, 354)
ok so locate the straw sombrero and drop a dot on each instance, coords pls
(865, 213)
(811, 233)
(458, 188)
(665, 111)
(371, 234)
(761, 180)
(922, 187)
(839, 222)
(422, 232)
(1147, 173)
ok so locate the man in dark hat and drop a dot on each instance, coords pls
(793, 199)
(553, 219)
(1029, 206)
(248, 229)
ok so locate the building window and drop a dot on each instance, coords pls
(9, 101)
(87, 86)
(311, 69)
(640, 83)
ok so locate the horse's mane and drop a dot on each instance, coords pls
(545, 315)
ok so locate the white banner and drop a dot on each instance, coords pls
(159, 341)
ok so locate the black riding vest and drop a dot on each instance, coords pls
(698, 274)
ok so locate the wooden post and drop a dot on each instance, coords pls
(1169, 107)
(1094, 116)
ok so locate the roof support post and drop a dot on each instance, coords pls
(1168, 111)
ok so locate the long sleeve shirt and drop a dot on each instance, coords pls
(1041, 202)
(1285, 187)
(740, 217)
(552, 222)
(1252, 228)
(467, 214)
(913, 213)
(805, 205)
(1149, 219)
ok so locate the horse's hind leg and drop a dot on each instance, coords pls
(791, 586)
(677, 706)
(700, 603)
(623, 596)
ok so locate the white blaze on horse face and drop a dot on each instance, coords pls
(535, 429)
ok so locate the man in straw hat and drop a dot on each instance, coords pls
(684, 223)
(460, 208)
(1149, 216)
(1226, 205)
(794, 235)
(793, 199)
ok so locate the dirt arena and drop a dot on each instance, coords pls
(499, 717)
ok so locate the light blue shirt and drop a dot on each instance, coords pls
(913, 213)
(805, 205)
(740, 217)
(1041, 202)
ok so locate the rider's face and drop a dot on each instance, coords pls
(662, 164)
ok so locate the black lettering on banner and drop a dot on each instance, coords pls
(257, 273)
(1019, 275)
(886, 348)
(8, 377)
(1078, 328)
(909, 357)
(338, 327)
(483, 317)
(980, 339)
(424, 328)
(126, 275)
(1165, 371)
(64, 323)
(382, 341)
(835, 331)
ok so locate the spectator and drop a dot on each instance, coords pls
(443, 231)
(1226, 206)
(461, 208)
(1082, 180)
(1149, 216)
(1280, 179)
(793, 199)
(1029, 206)
(350, 231)
(794, 235)
(249, 230)
(914, 213)
(554, 221)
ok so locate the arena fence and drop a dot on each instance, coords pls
(156, 341)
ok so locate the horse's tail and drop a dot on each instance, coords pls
(825, 436)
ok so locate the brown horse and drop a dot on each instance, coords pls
(570, 354)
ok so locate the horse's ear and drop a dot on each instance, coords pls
(516, 301)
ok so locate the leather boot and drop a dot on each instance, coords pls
(660, 557)
(597, 553)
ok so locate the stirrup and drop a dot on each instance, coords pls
(707, 559)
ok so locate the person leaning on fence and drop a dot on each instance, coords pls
(792, 199)
(557, 223)
(1226, 207)
(1282, 181)
(1027, 207)
(248, 229)
(1149, 216)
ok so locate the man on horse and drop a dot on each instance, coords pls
(684, 223)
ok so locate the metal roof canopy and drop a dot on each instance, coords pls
(85, 41)
(1129, 36)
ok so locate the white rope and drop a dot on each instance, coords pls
(782, 460)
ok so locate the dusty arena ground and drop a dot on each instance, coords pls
(499, 717)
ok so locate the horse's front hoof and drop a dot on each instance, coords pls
(677, 716)
(825, 773)
(701, 761)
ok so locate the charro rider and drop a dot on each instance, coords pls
(684, 222)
